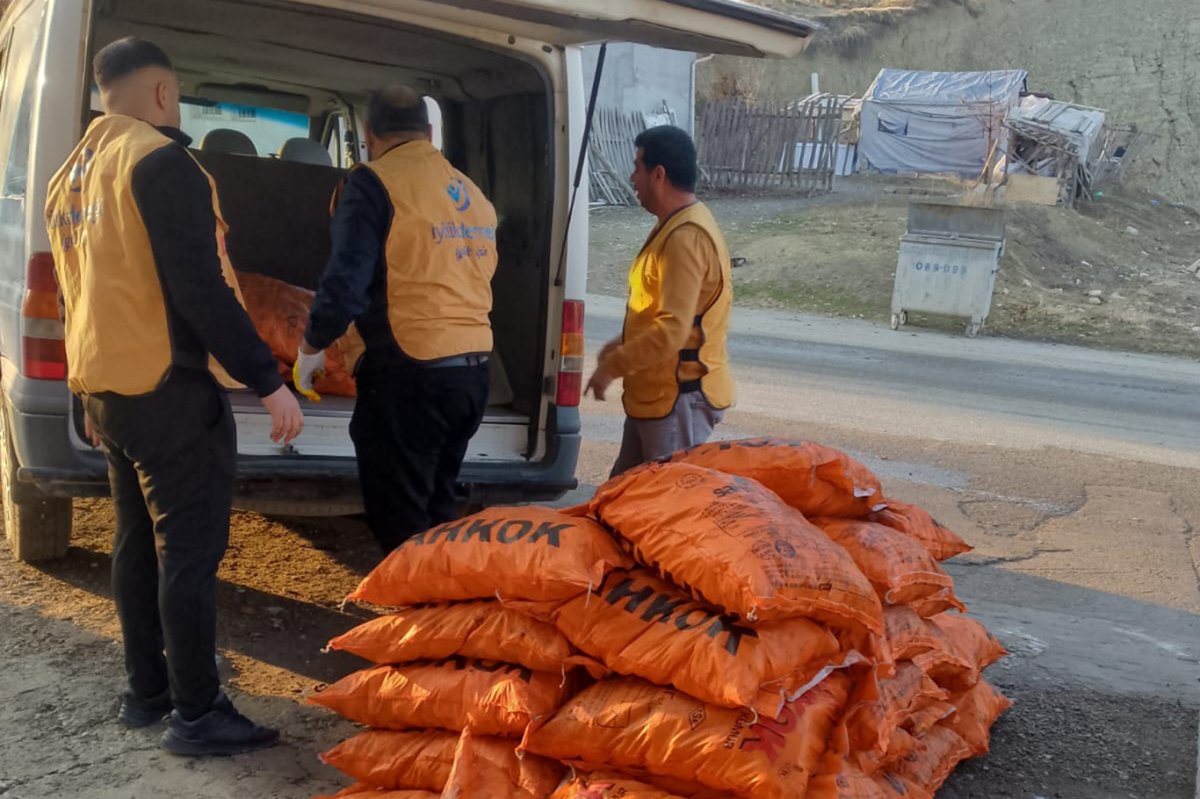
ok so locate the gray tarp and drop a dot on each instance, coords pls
(936, 121)
(1080, 127)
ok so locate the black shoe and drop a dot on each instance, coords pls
(221, 731)
(136, 712)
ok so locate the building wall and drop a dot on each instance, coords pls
(640, 78)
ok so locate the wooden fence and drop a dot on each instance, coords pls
(740, 147)
(611, 153)
(744, 147)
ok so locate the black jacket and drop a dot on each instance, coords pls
(203, 314)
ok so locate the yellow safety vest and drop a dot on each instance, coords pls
(117, 335)
(703, 363)
(440, 254)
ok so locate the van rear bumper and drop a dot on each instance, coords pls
(302, 486)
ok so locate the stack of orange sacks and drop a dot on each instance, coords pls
(460, 678)
(752, 619)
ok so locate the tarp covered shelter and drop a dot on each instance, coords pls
(937, 121)
(1075, 128)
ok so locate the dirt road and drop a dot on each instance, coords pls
(1085, 566)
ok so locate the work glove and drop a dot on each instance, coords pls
(306, 370)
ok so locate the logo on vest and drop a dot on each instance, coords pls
(459, 195)
(80, 169)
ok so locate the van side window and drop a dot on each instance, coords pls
(17, 169)
(4, 66)
(21, 71)
(435, 121)
(336, 131)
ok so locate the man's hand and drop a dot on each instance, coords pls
(605, 372)
(286, 419)
(310, 364)
(89, 431)
(600, 380)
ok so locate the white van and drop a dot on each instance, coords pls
(274, 94)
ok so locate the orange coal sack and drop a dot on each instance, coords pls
(976, 710)
(736, 545)
(970, 640)
(280, 312)
(870, 724)
(950, 648)
(475, 630)
(899, 567)
(608, 785)
(626, 722)
(490, 767)
(670, 785)
(940, 751)
(489, 698)
(523, 552)
(417, 759)
(940, 602)
(844, 782)
(910, 636)
(362, 790)
(896, 787)
(901, 743)
(926, 714)
(814, 479)
(849, 782)
(968, 649)
(916, 523)
(640, 625)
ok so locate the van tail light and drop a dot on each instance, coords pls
(42, 338)
(570, 368)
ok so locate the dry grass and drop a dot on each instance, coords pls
(850, 22)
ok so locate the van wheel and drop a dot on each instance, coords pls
(37, 527)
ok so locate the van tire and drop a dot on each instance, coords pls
(37, 527)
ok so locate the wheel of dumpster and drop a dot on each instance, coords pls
(896, 321)
(37, 527)
(973, 328)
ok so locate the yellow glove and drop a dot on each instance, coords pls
(305, 371)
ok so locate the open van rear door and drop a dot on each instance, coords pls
(725, 27)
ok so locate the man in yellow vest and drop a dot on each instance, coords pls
(414, 251)
(672, 354)
(150, 302)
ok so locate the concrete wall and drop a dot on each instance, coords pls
(1139, 59)
(639, 78)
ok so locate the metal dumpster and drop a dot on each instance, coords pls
(948, 263)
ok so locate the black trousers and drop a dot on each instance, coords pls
(410, 430)
(171, 460)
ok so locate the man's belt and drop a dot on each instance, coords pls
(458, 360)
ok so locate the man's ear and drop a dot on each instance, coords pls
(162, 95)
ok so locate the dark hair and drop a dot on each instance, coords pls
(397, 109)
(126, 56)
(672, 149)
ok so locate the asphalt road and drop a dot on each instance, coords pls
(950, 387)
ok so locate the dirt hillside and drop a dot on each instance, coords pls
(1141, 61)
